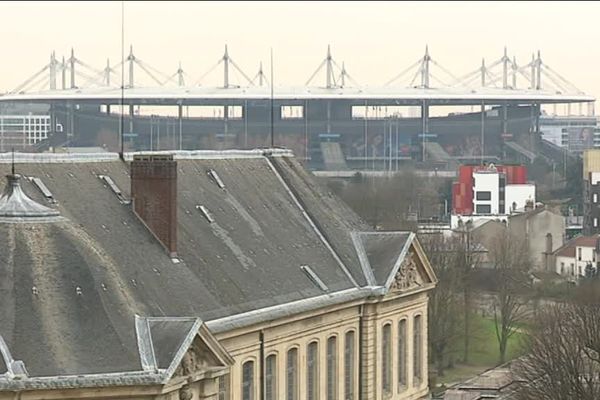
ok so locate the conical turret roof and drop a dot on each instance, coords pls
(14, 203)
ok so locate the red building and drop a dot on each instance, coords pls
(462, 191)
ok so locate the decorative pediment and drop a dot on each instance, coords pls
(198, 358)
(412, 270)
(408, 275)
(181, 347)
(394, 260)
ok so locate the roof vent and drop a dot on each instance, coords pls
(206, 213)
(213, 174)
(113, 186)
(314, 278)
(40, 185)
(14, 203)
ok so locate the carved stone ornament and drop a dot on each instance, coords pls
(408, 275)
(194, 360)
(185, 393)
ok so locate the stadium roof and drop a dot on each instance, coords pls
(383, 94)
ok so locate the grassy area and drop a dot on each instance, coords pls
(484, 349)
(484, 353)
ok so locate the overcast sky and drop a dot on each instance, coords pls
(375, 39)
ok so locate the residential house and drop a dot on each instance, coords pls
(543, 230)
(578, 257)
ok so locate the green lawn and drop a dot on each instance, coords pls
(484, 353)
(484, 349)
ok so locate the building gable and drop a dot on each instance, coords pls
(201, 354)
(199, 358)
(412, 272)
(394, 260)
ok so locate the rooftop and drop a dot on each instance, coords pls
(403, 95)
(276, 243)
(569, 248)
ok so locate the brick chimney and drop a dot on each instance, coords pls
(154, 196)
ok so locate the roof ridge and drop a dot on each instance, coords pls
(573, 241)
(319, 231)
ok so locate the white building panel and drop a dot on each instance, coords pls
(457, 220)
(517, 196)
(486, 192)
(565, 266)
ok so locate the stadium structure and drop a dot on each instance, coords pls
(336, 125)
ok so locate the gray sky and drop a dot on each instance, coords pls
(375, 39)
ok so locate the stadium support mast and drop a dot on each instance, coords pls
(53, 71)
(131, 59)
(63, 73)
(538, 65)
(260, 75)
(515, 69)
(107, 73)
(483, 71)
(425, 68)
(72, 62)
(180, 80)
(505, 61)
(226, 68)
(532, 79)
(329, 68)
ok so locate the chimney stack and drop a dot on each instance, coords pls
(154, 196)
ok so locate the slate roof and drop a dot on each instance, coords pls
(167, 338)
(70, 289)
(380, 252)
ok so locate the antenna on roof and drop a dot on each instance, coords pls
(121, 119)
(272, 111)
(13, 162)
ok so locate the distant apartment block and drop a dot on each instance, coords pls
(591, 192)
(20, 131)
(574, 133)
(490, 192)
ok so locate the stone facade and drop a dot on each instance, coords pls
(366, 318)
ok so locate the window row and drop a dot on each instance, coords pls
(287, 386)
(401, 349)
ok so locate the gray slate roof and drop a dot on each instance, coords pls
(380, 253)
(70, 289)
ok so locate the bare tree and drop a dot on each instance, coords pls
(563, 362)
(467, 261)
(512, 263)
(445, 301)
(387, 203)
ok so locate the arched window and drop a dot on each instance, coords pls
(332, 375)
(292, 375)
(402, 355)
(349, 366)
(271, 377)
(312, 371)
(248, 380)
(417, 351)
(386, 358)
